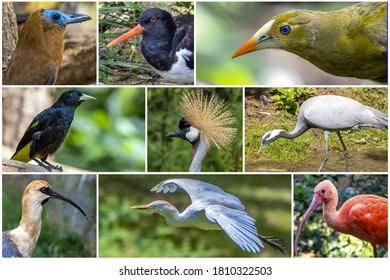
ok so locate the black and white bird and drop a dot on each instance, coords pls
(206, 123)
(331, 113)
(167, 43)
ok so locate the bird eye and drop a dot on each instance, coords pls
(56, 17)
(323, 191)
(285, 29)
(187, 129)
(153, 19)
(43, 189)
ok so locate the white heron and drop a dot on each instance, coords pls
(206, 122)
(331, 113)
(211, 209)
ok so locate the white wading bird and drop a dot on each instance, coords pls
(206, 123)
(331, 113)
(211, 209)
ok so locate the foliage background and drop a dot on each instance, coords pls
(222, 27)
(133, 233)
(65, 231)
(174, 154)
(316, 238)
(367, 149)
(124, 64)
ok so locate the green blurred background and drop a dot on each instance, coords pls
(316, 238)
(174, 154)
(65, 231)
(222, 27)
(133, 233)
(107, 134)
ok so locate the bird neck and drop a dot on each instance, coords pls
(198, 153)
(331, 216)
(26, 235)
(299, 129)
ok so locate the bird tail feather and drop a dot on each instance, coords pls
(381, 118)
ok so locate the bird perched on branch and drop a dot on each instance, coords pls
(331, 113)
(38, 54)
(206, 123)
(211, 209)
(48, 129)
(20, 242)
(363, 216)
(351, 42)
(167, 43)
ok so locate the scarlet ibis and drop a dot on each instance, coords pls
(206, 122)
(331, 113)
(21, 241)
(38, 54)
(363, 216)
(48, 129)
(211, 209)
(167, 43)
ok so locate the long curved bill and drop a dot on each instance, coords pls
(313, 205)
(259, 41)
(135, 31)
(59, 196)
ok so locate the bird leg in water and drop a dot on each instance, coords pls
(345, 151)
(48, 166)
(326, 157)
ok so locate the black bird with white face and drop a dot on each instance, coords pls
(186, 132)
(167, 43)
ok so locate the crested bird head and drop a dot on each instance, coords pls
(152, 22)
(38, 192)
(289, 31)
(71, 98)
(58, 18)
(205, 118)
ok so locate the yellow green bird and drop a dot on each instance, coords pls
(351, 42)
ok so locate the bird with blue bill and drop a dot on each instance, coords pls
(21, 241)
(48, 130)
(350, 42)
(39, 50)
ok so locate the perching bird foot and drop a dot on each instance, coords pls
(273, 242)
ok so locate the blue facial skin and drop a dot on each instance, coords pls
(60, 18)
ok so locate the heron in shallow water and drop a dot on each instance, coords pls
(211, 209)
(331, 113)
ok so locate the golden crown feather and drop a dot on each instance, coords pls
(211, 115)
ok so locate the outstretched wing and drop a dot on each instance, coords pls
(238, 225)
(201, 192)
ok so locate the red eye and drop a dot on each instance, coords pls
(153, 19)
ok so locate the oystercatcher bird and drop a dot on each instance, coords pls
(167, 43)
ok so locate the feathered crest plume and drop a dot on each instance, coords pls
(211, 116)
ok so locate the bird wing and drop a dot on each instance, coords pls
(238, 225)
(370, 218)
(201, 192)
(184, 36)
(10, 250)
(38, 124)
(52, 75)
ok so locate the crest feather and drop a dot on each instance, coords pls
(211, 115)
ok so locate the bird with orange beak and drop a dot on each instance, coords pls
(167, 43)
(38, 53)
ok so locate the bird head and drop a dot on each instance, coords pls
(71, 98)
(323, 192)
(289, 31)
(186, 132)
(152, 22)
(62, 19)
(38, 192)
(158, 206)
(268, 138)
